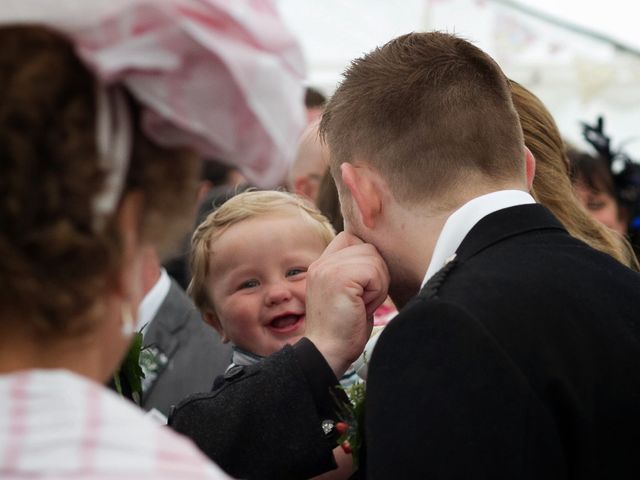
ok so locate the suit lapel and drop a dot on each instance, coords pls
(161, 341)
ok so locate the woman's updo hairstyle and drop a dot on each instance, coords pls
(54, 262)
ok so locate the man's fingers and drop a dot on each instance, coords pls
(344, 287)
(375, 291)
(355, 260)
(342, 241)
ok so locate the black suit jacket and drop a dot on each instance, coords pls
(520, 359)
(195, 355)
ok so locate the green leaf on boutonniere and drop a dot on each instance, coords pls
(352, 415)
(128, 379)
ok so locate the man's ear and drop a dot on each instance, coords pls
(362, 184)
(212, 319)
(530, 166)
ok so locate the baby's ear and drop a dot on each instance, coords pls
(212, 319)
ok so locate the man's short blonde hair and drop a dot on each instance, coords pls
(243, 207)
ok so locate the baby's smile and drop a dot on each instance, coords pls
(286, 323)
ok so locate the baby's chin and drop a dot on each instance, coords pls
(276, 344)
(292, 340)
(289, 340)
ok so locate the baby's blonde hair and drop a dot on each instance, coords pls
(242, 207)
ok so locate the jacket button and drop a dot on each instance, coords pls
(234, 372)
(328, 426)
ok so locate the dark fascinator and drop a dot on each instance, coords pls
(624, 170)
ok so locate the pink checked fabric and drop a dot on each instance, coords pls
(58, 425)
(224, 77)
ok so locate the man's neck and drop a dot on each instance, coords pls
(151, 269)
(409, 253)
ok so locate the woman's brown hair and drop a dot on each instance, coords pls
(552, 184)
(54, 264)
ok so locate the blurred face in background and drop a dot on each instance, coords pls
(601, 205)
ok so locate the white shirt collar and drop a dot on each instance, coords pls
(463, 220)
(152, 300)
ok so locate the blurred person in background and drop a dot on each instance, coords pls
(310, 164)
(594, 188)
(73, 273)
(91, 177)
(608, 182)
(314, 102)
(186, 354)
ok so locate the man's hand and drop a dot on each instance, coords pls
(344, 287)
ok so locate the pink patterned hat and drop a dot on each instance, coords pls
(223, 77)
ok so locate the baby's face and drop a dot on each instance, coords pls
(257, 280)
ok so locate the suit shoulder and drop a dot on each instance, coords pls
(437, 328)
(210, 400)
(434, 309)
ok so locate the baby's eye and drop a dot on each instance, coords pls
(248, 284)
(295, 271)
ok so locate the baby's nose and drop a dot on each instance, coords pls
(278, 293)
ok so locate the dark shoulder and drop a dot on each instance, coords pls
(261, 422)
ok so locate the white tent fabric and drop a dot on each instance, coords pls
(576, 75)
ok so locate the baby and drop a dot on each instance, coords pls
(249, 260)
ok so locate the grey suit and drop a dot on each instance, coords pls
(193, 353)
